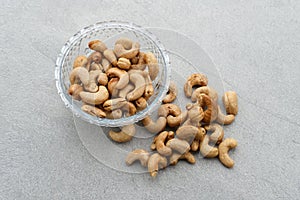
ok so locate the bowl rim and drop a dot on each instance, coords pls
(68, 101)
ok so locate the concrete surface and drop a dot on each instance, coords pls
(256, 48)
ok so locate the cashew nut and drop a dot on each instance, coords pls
(138, 155)
(154, 127)
(140, 62)
(188, 156)
(218, 133)
(224, 147)
(114, 114)
(125, 135)
(92, 110)
(97, 45)
(181, 146)
(193, 80)
(125, 48)
(195, 113)
(224, 119)
(160, 144)
(110, 56)
(74, 91)
(152, 63)
(172, 93)
(230, 101)
(95, 57)
(123, 92)
(149, 90)
(170, 136)
(95, 98)
(96, 76)
(196, 142)
(121, 74)
(211, 113)
(124, 63)
(207, 150)
(106, 64)
(139, 86)
(187, 132)
(176, 121)
(80, 73)
(111, 86)
(80, 61)
(169, 109)
(113, 104)
(212, 93)
(129, 109)
(96, 66)
(141, 103)
(155, 163)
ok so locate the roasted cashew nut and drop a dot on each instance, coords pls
(230, 101)
(123, 92)
(105, 64)
(96, 76)
(193, 80)
(80, 61)
(161, 148)
(224, 147)
(129, 109)
(110, 56)
(154, 126)
(141, 103)
(224, 119)
(111, 86)
(124, 63)
(195, 113)
(196, 142)
(155, 163)
(169, 109)
(149, 90)
(139, 86)
(113, 104)
(181, 146)
(187, 132)
(138, 155)
(121, 74)
(206, 150)
(212, 93)
(95, 57)
(92, 110)
(74, 91)
(188, 156)
(172, 93)
(114, 114)
(211, 113)
(96, 66)
(140, 62)
(218, 133)
(152, 63)
(125, 48)
(80, 73)
(176, 121)
(95, 98)
(125, 135)
(97, 45)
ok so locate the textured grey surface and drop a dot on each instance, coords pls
(255, 46)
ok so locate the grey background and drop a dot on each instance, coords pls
(256, 48)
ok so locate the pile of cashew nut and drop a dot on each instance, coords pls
(182, 133)
(113, 83)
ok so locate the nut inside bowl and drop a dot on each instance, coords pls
(108, 32)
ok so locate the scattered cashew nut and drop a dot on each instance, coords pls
(181, 146)
(187, 132)
(172, 93)
(154, 126)
(155, 163)
(188, 156)
(193, 80)
(224, 119)
(125, 135)
(176, 121)
(160, 144)
(168, 109)
(212, 93)
(230, 101)
(224, 147)
(207, 150)
(138, 155)
(218, 133)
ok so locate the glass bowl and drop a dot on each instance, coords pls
(108, 32)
